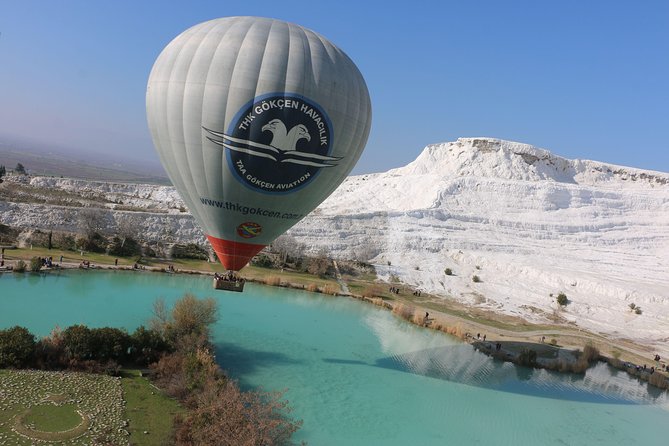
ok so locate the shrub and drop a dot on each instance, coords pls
(78, 342)
(262, 261)
(189, 251)
(273, 281)
(637, 310)
(527, 357)
(590, 353)
(404, 311)
(146, 346)
(562, 299)
(109, 343)
(448, 272)
(330, 289)
(227, 416)
(476, 279)
(553, 341)
(372, 291)
(124, 247)
(312, 287)
(35, 264)
(64, 241)
(17, 347)
(94, 242)
(20, 267)
(50, 351)
(658, 380)
(632, 306)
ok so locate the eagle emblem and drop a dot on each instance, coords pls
(282, 148)
(276, 144)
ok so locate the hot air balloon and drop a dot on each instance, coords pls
(256, 122)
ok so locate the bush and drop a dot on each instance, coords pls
(527, 357)
(632, 306)
(64, 241)
(124, 247)
(35, 264)
(227, 416)
(637, 310)
(94, 242)
(109, 343)
(448, 272)
(189, 315)
(262, 261)
(78, 342)
(146, 346)
(476, 279)
(562, 299)
(20, 267)
(17, 347)
(189, 251)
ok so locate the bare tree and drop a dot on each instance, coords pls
(91, 222)
(320, 264)
(125, 230)
(286, 246)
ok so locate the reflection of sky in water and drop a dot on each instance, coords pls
(441, 357)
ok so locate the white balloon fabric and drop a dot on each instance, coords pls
(256, 122)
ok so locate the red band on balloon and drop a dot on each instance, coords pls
(234, 255)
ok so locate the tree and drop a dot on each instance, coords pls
(17, 347)
(3, 172)
(146, 346)
(35, 264)
(189, 316)
(193, 315)
(562, 299)
(227, 416)
(78, 342)
(91, 223)
(319, 265)
(286, 246)
(20, 169)
(109, 343)
(123, 247)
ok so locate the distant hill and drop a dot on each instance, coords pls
(528, 223)
(54, 164)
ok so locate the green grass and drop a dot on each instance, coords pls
(52, 418)
(148, 410)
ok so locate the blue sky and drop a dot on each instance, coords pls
(584, 79)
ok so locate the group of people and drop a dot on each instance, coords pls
(394, 290)
(47, 262)
(85, 264)
(227, 277)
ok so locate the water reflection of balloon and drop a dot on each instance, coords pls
(256, 122)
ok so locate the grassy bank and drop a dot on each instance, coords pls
(149, 411)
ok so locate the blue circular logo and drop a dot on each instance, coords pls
(278, 143)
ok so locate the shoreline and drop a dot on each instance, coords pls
(499, 343)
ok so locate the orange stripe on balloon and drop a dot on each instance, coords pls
(234, 255)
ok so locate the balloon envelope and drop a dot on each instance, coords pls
(256, 122)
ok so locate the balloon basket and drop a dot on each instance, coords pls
(220, 283)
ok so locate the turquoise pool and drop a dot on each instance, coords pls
(356, 374)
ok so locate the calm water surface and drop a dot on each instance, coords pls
(356, 374)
